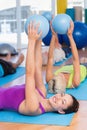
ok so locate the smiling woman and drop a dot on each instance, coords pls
(61, 101)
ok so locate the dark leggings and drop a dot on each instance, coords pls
(7, 67)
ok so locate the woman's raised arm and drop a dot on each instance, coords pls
(31, 100)
(76, 64)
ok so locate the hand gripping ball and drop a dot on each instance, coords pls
(61, 23)
(44, 24)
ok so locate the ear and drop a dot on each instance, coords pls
(60, 110)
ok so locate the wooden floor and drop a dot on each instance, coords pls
(79, 121)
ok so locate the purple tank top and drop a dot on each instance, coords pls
(10, 98)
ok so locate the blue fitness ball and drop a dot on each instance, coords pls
(46, 40)
(61, 23)
(79, 35)
(44, 24)
(48, 15)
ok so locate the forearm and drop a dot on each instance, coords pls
(57, 44)
(30, 57)
(51, 48)
(38, 64)
(49, 69)
(74, 49)
(38, 55)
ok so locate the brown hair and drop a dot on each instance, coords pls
(73, 108)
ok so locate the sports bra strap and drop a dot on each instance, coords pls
(40, 93)
(42, 108)
(40, 105)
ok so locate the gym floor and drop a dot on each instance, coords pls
(79, 120)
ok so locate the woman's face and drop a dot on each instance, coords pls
(60, 102)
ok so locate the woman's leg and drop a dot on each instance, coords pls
(18, 62)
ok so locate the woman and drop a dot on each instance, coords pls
(67, 76)
(30, 98)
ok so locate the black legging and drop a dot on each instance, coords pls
(7, 67)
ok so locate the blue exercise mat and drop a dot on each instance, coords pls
(44, 119)
(19, 72)
(80, 92)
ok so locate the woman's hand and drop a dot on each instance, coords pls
(70, 30)
(56, 44)
(53, 32)
(33, 31)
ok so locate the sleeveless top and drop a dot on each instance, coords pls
(69, 69)
(10, 98)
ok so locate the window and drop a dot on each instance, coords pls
(13, 14)
(8, 24)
